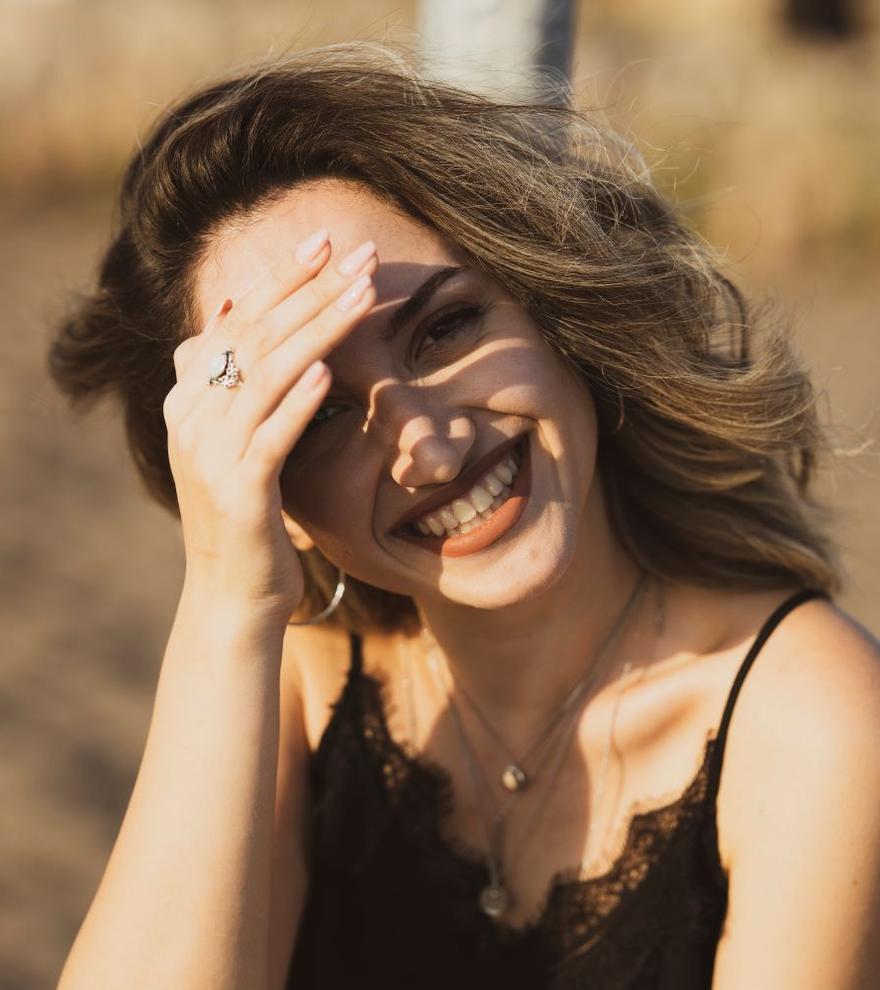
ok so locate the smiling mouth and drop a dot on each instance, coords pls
(480, 516)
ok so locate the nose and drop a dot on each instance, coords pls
(429, 441)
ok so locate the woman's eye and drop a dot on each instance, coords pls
(448, 326)
(321, 416)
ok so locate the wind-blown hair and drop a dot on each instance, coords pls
(709, 477)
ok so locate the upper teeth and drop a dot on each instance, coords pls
(460, 514)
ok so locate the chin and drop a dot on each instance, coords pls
(519, 576)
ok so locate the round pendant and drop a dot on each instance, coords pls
(494, 900)
(514, 778)
(218, 365)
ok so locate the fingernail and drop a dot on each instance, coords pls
(353, 294)
(313, 374)
(223, 309)
(355, 261)
(310, 248)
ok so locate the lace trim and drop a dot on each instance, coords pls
(647, 830)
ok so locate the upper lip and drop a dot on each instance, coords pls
(462, 484)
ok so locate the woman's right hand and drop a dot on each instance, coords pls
(227, 446)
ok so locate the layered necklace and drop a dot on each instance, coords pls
(520, 772)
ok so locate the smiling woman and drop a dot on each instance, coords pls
(482, 379)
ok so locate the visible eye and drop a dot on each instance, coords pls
(321, 416)
(451, 325)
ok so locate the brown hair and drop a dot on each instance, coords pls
(708, 478)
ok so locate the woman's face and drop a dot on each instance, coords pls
(465, 381)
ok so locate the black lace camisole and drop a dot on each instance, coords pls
(392, 903)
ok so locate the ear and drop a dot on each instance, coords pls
(298, 536)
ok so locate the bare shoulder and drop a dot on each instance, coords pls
(819, 663)
(315, 663)
(799, 809)
(810, 705)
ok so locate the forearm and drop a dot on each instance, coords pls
(184, 900)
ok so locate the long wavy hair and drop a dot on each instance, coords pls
(709, 432)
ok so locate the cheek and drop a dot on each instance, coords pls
(533, 380)
(579, 416)
(313, 508)
(519, 373)
(329, 505)
(577, 394)
(566, 403)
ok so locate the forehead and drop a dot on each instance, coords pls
(243, 250)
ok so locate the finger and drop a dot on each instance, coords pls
(277, 373)
(187, 351)
(285, 275)
(180, 399)
(251, 342)
(311, 301)
(299, 307)
(272, 441)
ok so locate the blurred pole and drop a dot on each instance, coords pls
(496, 47)
(821, 18)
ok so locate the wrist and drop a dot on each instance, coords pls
(230, 614)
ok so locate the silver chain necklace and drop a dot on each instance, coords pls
(514, 777)
(494, 899)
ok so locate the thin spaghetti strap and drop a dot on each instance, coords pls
(356, 655)
(344, 703)
(772, 622)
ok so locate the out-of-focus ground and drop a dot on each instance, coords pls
(769, 142)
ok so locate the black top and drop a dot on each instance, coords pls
(392, 902)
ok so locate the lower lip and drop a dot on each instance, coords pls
(492, 529)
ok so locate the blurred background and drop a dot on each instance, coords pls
(760, 118)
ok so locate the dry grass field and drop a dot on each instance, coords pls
(769, 143)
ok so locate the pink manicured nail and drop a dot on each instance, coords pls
(355, 261)
(313, 374)
(223, 309)
(353, 294)
(311, 246)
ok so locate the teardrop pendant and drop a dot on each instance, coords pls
(513, 778)
(494, 900)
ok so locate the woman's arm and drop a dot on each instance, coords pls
(184, 900)
(304, 647)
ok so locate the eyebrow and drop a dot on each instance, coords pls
(418, 300)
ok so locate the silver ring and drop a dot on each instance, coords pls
(224, 370)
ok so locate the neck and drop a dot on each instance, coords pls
(519, 662)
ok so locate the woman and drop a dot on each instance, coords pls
(459, 364)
